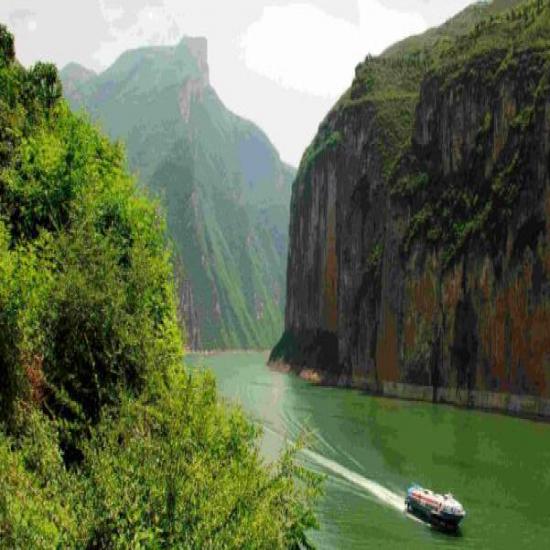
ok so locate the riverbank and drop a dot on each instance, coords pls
(522, 406)
(211, 352)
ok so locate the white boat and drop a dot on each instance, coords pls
(440, 510)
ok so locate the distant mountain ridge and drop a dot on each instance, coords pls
(222, 182)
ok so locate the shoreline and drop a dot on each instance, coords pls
(220, 351)
(525, 407)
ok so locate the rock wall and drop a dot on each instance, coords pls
(188, 313)
(194, 87)
(198, 47)
(430, 280)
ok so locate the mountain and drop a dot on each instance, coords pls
(419, 261)
(74, 76)
(222, 183)
(459, 25)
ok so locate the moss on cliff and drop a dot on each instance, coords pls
(325, 141)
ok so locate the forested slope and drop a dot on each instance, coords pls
(106, 440)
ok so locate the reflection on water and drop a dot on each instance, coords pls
(372, 448)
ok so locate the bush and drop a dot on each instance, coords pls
(87, 290)
(105, 440)
(37, 495)
(173, 469)
(185, 472)
(45, 81)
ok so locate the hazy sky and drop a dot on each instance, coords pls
(280, 63)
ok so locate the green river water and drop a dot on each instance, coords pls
(372, 448)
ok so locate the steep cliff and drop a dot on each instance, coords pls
(221, 181)
(419, 261)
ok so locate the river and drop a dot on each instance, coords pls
(372, 448)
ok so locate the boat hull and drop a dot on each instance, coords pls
(446, 521)
(425, 510)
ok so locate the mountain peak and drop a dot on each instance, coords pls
(77, 72)
(197, 46)
(73, 75)
(194, 88)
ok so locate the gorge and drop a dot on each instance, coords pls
(144, 233)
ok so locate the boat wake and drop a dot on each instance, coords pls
(383, 494)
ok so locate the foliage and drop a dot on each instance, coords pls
(444, 35)
(485, 42)
(523, 25)
(45, 84)
(374, 259)
(449, 215)
(325, 141)
(476, 205)
(381, 78)
(7, 46)
(173, 469)
(105, 440)
(409, 185)
(188, 475)
(86, 281)
(38, 495)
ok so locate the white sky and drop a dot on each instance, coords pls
(280, 63)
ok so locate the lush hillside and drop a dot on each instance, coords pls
(224, 187)
(427, 274)
(106, 441)
(459, 26)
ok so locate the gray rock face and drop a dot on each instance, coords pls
(198, 47)
(188, 312)
(194, 88)
(430, 280)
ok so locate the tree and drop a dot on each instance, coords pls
(7, 46)
(46, 84)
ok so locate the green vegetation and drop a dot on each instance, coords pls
(374, 260)
(380, 78)
(451, 216)
(524, 119)
(474, 17)
(481, 28)
(106, 441)
(409, 185)
(325, 141)
(171, 469)
(320, 145)
(447, 213)
(395, 117)
(225, 190)
(525, 25)
(484, 43)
